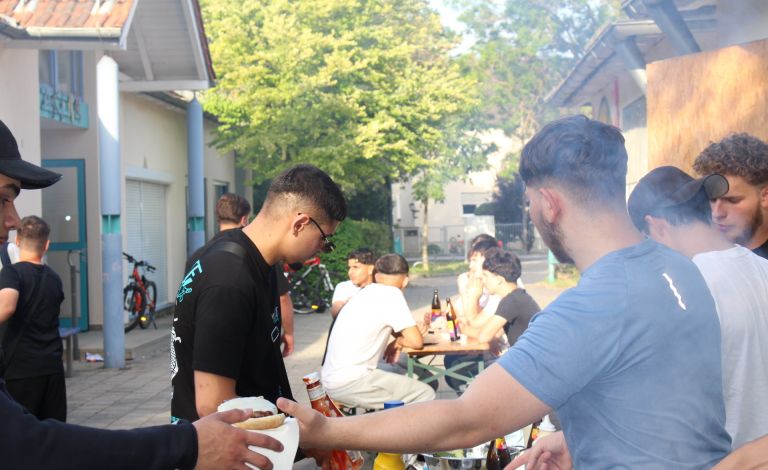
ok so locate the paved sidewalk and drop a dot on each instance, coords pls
(140, 394)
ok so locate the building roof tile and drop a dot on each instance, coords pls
(67, 13)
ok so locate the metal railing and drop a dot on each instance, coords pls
(449, 241)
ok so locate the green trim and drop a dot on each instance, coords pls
(196, 224)
(110, 224)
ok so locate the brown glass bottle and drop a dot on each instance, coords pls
(492, 459)
(453, 321)
(437, 310)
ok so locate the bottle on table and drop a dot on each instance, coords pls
(320, 401)
(386, 460)
(492, 459)
(453, 321)
(534, 434)
(437, 310)
(546, 427)
(503, 452)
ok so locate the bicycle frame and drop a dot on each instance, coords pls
(310, 295)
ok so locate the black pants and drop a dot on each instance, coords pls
(44, 396)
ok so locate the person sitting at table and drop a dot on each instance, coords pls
(360, 271)
(501, 270)
(359, 339)
(475, 302)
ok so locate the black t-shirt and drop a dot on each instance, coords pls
(227, 322)
(39, 351)
(762, 250)
(517, 308)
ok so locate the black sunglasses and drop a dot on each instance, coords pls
(328, 245)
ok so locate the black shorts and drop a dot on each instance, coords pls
(44, 396)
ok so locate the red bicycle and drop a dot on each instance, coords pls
(139, 296)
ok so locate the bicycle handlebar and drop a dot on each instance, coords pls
(138, 263)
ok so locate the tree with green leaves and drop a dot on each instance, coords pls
(366, 90)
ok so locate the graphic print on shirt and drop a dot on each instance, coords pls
(183, 287)
(674, 291)
(174, 364)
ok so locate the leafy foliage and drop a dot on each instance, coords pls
(364, 89)
(524, 49)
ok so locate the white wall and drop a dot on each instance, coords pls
(219, 168)
(741, 21)
(20, 111)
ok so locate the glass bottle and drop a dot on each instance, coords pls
(437, 310)
(340, 459)
(503, 452)
(453, 322)
(492, 459)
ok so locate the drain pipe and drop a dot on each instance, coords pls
(671, 23)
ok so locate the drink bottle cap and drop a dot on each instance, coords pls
(392, 404)
(311, 377)
(546, 425)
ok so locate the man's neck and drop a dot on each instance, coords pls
(506, 289)
(591, 235)
(30, 257)
(696, 238)
(267, 235)
(759, 237)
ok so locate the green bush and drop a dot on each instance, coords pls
(354, 234)
(433, 249)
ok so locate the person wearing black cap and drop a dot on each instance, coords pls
(673, 208)
(26, 442)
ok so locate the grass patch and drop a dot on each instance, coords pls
(439, 268)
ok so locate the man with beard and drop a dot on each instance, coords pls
(629, 358)
(740, 213)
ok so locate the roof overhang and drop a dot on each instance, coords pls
(159, 45)
(601, 63)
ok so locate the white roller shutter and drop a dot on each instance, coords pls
(146, 216)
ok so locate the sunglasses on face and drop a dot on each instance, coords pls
(328, 245)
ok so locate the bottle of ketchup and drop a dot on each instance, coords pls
(340, 459)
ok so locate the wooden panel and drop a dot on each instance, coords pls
(700, 98)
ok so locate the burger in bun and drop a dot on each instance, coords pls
(265, 415)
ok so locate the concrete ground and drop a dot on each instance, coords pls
(139, 395)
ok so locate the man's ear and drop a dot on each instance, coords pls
(404, 284)
(656, 228)
(244, 221)
(764, 197)
(551, 204)
(47, 244)
(298, 223)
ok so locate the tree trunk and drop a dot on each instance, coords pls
(425, 236)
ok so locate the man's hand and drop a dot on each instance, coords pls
(548, 453)
(222, 446)
(322, 457)
(287, 344)
(311, 423)
(392, 353)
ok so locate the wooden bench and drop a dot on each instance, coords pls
(67, 333)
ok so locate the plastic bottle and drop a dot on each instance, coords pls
(546, 427)
(385, 460)
(340, 459)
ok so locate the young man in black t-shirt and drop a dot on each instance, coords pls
(31, 292)
(226, 328)
(501, 269)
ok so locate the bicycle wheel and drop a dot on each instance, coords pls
(300, 296)
(148, 314)
(133, 303)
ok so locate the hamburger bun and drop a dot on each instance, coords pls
(266, 415)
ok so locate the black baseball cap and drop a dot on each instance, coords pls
(30, 175)
(668, 186)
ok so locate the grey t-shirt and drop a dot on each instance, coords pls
(517, 308)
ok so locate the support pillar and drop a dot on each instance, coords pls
(195, 183)
(108, 109)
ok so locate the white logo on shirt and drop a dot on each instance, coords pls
(674, 291)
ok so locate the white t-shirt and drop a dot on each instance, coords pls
(361, 333)
(343, 291)
(738, 280)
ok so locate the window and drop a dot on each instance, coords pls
(62, 71)
(468, 209)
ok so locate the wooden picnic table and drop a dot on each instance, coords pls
(436, 344)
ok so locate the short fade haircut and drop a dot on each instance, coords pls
(391, 263)
(363, 255)
(35, 231)
(696, 209)
(502, 263)
(312, 185)
(737, 155)
(232, 208)
(583, 156)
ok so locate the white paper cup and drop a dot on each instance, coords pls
(288, 435)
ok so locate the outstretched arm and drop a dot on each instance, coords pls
(477, 416)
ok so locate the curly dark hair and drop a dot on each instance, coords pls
(738, 155)
(364, 255)
(502, 263)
